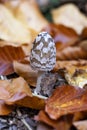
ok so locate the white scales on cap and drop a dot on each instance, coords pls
(43, 53)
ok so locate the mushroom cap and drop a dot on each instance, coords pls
(43, 53)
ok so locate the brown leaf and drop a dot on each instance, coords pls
(13, 30)
(62, 15)
(65, 100)
(84, 33)
(63, 36)
(4, 108)
(62, 123)
(71, 53)
(17, 91)
(14, 90)
(32, 19)
(31, 102)
(68, 46)
(74, 64)
(7, 55)
(26, 72)
(83, 45)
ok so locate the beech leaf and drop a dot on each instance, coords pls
(24, 70)
(66, 100)
(63, 36)
(7, 55)
(13, 90)
(4, 108)
(62, 123)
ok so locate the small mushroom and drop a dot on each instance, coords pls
(43, 56)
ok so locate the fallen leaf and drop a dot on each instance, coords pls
(7, 55)
(63, 123)
(71, 53)
(83, 45)
(66, 100)
(68, 45)
(84, 33)
(68, 64)
(21, 10)
(81, 125)
(26, 72)
(80, 116)
(4, 108)
(12, 29)
(17, 92)
(13, 90)
(77, 77)
(31, 102)
(62, 15)
(63, 36)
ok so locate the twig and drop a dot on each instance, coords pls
(23, 120)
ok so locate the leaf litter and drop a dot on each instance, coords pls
(62, 100)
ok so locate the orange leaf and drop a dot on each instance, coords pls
(62, 123)
(14, 90)
(17, 91)
(7, 55)
(63, 36)
(31, 102)
(65, 100)
(5, 109)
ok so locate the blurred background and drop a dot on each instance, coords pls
(47, 5)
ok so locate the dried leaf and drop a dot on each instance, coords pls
(4, 108)
(67, 43)
(62, 123)
(84, 33)
(63, 16)
(32, 19)
(81, 125)
(12, 29)
(26, 72)
(83, 45)
(63, 36)
(66, 100)
(74, 64)
(17, 92)
(77, 77)
(31, 102)
(14, 90)
(7, 55)
(71, 53)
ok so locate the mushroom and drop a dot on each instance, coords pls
(43, 56)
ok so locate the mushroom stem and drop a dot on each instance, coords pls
(38, 88)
